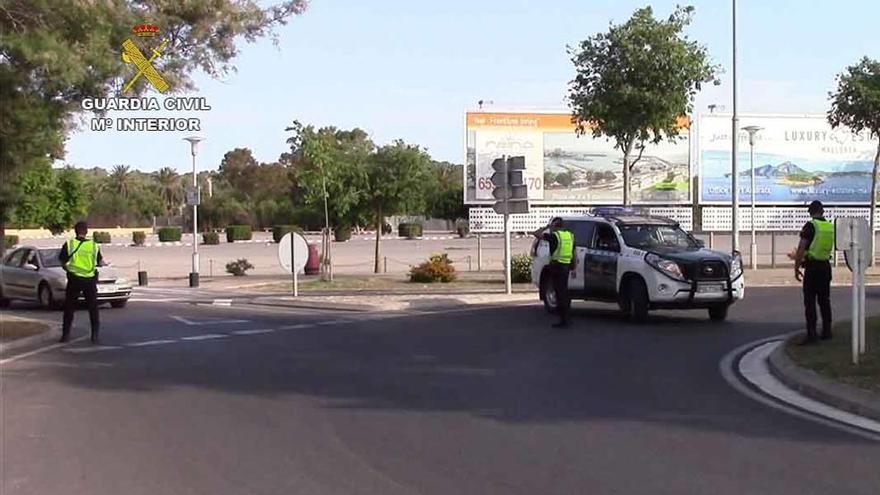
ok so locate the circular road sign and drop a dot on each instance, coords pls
(300, 252)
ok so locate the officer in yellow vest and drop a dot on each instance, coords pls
(814, 255)
(81, 257)
(561, 259)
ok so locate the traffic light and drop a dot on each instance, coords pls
(510, 190)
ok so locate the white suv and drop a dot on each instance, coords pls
(642, 263)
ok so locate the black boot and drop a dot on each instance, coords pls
(94, 336)
(826, 335)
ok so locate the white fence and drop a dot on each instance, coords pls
(484, 220)
(775, 219)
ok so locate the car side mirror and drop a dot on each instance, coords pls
(30, 266)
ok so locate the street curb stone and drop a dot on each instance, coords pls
(48, 335)
(817, 387)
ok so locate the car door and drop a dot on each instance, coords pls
(12, 274)
(30, 273)
(583, 236)
(600, 268)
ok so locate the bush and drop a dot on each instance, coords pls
(210, 238)
(101, 237)
(409, 230)
(279, 231)
(138, 237)
(462, 228)
(386, 228)
(9, 241)
(342, 233)
(438, 268)
(238, 233)
(170, 234)
(239, 267)
(521, 269)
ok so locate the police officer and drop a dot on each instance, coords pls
(81, 257)
(562, 255)
(813, 254)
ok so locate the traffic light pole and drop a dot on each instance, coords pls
(507, 282)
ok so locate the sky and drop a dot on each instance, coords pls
(404, 69)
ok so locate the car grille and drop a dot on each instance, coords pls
(710, 270)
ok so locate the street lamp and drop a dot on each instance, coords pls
(733, 152)
(194, 200)
(753, 249)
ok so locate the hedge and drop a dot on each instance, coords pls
(409, 230)
(210, 238)
(342, 233)
(238, 233)
(101, 237)
(138, 237)
(170, 234)
(279, 231)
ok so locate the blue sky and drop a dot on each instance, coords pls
(410, 69)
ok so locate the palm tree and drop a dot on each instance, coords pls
(169, 188)
(119, 180)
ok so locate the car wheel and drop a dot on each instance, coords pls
(718, 313)
(44, 294)
(637, 296)
(119, 304)
(548, 294)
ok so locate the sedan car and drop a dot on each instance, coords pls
(36, 274)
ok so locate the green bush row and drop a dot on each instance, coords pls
(238, 233)
(279, 231)
(101, 237)
(409, 230)
(210, 238)
(138, 237)
(170, 234)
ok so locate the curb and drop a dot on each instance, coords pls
(353, 308)
(817, 387)
(50, 334)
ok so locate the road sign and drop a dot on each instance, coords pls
(300, 252)
(849, 234)
(193, 196)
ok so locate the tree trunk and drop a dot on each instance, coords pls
(627, 151)
(379, 225)
(873, 209)
(3, 245)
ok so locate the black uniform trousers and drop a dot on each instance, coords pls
(559, 273)
(89, 288)
(817, 289)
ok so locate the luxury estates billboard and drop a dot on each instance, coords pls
(797, 159)
(562, 168)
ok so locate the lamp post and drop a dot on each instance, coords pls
(753, 248)
(194, 200)
(733, 151)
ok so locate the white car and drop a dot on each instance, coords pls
(32, 274)
(642, 263)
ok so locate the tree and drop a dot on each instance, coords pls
(170, 188)
(444, 192)
(856, 104)
(56, 54)
(119, 180)
(69, 206)
(396, 178)
(51, 199)
(634, 83)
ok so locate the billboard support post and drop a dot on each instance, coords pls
(753, 248)
(734, 134)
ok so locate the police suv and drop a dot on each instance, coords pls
(641, 263)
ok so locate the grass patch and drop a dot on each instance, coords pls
(16, 328)
(391, 282)
(833, 359)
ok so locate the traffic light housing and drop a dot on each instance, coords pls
(511, 189)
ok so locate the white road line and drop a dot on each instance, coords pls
(728, 371)
(206, 336)
(254, 332)
(222, 302)
(296, 327)
(81, 350)
(332, 322)
(156, 300)
(187, 321)
(150, 342)
(40, 350)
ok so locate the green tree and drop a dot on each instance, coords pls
(57, 53)
(119, 181)
(396, 178)
(444, 192)
(856, 104)
(70, 201)
(634, 83)
(170, 189)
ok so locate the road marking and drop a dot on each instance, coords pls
(40, 350)
(80, 350)
(222, 302)
(206, 336)
(187, 321)
(150, 342)
(298, 326)
(749, 362)
(254, 332)
(331, 322)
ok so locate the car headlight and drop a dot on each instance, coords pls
(122, 281)
(665, 266)
(736, 266)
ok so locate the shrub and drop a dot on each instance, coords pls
(210, 238)
(9, 241)
(342, 233)
(138, 237)
(438, 268)
(238, 233)
(462, 228)
(521, 269)
(170, 234)
(409, 230)
(239, 267)
(279, 231)
(386, 228)
(101, 237)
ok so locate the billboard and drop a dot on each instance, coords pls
(797, 159)
(563, 168)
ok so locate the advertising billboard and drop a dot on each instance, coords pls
(564, 168)
(797, 159)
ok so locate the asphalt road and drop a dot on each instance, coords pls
(206, 400)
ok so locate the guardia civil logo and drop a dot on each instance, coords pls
(133, 55)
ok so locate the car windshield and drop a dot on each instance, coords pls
(50, 257)
(653, 236)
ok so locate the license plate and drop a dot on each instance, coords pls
(106, 288)
(710, 288)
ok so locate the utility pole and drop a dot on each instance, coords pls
(733, 152)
